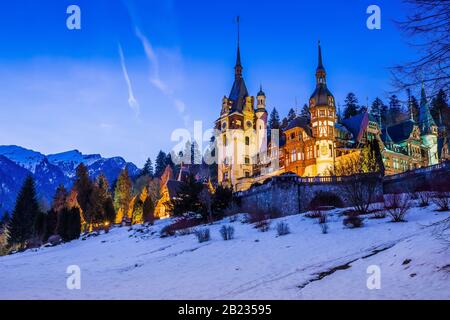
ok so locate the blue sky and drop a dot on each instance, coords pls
(137, 70)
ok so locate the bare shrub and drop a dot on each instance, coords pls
(424, 198)
(360, 178)
(353, 220)
(323, 222)
(263, 225)
(442, 200)
(227, 232)
(203, 235)
(397, 206)
(282, 229)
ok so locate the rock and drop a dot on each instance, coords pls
(55, 240)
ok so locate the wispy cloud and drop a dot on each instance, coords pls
(157, 81)
(132, 101)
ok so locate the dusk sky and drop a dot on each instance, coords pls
(137, 70)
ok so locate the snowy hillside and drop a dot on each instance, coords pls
(50, 171)
(306, 264)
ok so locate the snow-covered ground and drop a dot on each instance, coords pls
(128, 264)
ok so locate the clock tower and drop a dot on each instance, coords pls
(323, 118)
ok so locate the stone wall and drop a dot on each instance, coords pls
(291, 194)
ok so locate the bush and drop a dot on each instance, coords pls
(202, 235)
(353, 220)
(397, 206)
(323, 222)
(283, 229)
(263, 225)
(424, 198)
(227, 232)
(326, 199)
(442, 200)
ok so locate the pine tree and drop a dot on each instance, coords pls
(187, 199)
(395, 110)
(148, 168)
(148, 210)
(105, 200)
(291, 115)
(83, 187)
(274, 120)
(376, 107)
(440, 109)
(69, 224)
(122, 193)
(21, 226)
(160, 164)
(51, 223)
(196, 154)
(351, 106)
(305, 112)
(60, 198)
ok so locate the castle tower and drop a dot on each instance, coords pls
(428, 129)
(323, 118)
(236, 140)
(261, 121)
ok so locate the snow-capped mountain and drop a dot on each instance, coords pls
(25, 158)
(50, 171)
(70, 160)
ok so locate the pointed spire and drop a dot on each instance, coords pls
(261, 92)
(320, 66)
(238, 68)
(320, 72)
(426, 121)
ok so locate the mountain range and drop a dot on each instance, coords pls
(50, 171)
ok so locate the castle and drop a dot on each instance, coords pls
(248, 152)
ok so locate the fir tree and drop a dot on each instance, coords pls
(305, 112)
(161, 163)
(291, 115)
(122, 193)
(51, 223)
(187, 199)
(395, 109)
(440, 109)
(148, 210)
(105, 200)
(376, 107)
(196, 154)
(274, 120)
(60, 198)
(351, 106)
(69, 224)
(83, 187)
(21, 226)
(148, 168)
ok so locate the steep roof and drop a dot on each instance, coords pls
(401, 131)
(299, 122)
(238, 94)
(357, 124)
